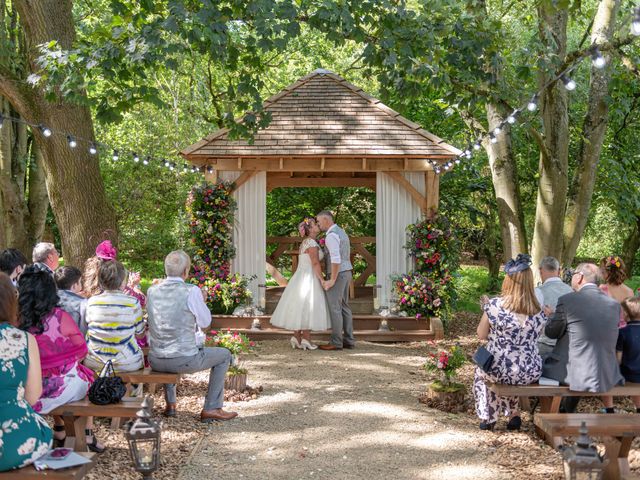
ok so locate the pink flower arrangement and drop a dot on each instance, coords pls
(106, 251)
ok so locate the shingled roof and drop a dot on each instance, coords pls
(324, 115)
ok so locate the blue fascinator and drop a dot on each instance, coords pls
(519, 264)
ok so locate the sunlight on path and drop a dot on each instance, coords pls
(340, 415)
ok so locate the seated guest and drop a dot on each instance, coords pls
(61, 344)
(175, 309)
(114, 319)
(69, 283)
(614, 274)
(547, 294)
(46, 255)
(628, 346)
(585, 323)
(106, 252)
(512, 324)
(25, 434)
(12, 262)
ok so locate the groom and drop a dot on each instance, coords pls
(337, 285)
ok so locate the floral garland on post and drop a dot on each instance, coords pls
(211, 208)
(429, 289)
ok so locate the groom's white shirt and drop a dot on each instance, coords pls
(333, 245)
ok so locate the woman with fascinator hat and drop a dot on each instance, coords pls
(511, 324)
(614, 274)
(303, 305)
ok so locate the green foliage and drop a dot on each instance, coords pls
(471, 283)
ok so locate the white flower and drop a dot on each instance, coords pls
(27, 447)
(33, 79)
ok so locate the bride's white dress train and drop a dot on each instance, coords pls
(303, 305)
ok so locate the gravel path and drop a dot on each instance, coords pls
(353, 414)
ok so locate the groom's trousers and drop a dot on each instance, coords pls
(340, 311)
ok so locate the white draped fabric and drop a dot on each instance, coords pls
(250, 229)
(395, 210)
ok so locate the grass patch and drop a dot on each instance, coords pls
(472, 282)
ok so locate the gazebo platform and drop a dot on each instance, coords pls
(366, 327)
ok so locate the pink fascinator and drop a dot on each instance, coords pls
(106, 251)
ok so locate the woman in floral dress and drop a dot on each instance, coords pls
(61, 344)
(24, 435)
(511, 324)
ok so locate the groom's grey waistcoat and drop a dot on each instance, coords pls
(345, 249)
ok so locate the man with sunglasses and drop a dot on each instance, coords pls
(12, 262)
(585, 323)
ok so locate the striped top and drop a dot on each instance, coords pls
(113, 321)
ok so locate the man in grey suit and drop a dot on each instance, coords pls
(548, 293)
(585, 323)
(337, 285)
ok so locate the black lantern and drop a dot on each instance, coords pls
(582, 462)
(143, 435)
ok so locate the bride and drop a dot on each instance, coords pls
(303, 305)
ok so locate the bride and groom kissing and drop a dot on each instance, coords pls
(317, 301)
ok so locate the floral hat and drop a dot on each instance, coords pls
(106, 251)
(613, 261)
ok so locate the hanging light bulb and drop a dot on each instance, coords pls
(167, 163)
(446, 166)
(115, 156)
(533, 103)
(1, 120)
(477, 145)
(209, 169)
(569, 83)
(597, 59)
(492, 138)
(635, 23)
(71, 140)
(467, 153)
(437, 170)
(146, 161)
(172, 166)
(136, 158)
(185, 169)
(457, 160)
(498, 130)
(46, 131)
(92, 148)
(511, 119)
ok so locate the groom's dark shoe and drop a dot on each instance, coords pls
(328, 346)
(350, 346)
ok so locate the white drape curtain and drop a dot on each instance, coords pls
(395, 210)
(250, 229)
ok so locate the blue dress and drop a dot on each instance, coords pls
(513, 341)
(24, 435)
(629, 345)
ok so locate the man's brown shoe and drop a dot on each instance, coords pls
(328, 346)
(217, 414)
(170, 410)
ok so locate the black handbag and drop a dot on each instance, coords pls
(483, 358)
(108, 387)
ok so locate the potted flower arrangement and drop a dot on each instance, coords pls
(445, 363)
(237, 343)
(416, 294)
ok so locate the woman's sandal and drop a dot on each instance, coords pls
(93, 446)
(59, 442)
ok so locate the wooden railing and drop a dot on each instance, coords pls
(289, 246)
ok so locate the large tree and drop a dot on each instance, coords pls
(73, 181)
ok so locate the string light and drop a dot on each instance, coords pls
(597, 59)
(136, 158)
(533, 103)
(167, 163)
(172, 166)
(511, 119)
(569, 83)
(1, 120)
(93, 149)
(145, 161)
(115, 156)
(498, 130)
(477, 145)
(492, 138)
(467, 153)
(71, 140)
(46, 131)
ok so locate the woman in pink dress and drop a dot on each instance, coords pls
(62, 348)
(614, 274)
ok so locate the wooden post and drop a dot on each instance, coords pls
(432, 186)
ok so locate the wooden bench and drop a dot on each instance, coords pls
(617, 432)
(75, 415)
(149, 377)
(30, 473)
(551, 396)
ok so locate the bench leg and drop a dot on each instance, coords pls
(115, 423)
(617, 452)
(152, 388)
(74, 427)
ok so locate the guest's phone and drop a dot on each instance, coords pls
(59, 453)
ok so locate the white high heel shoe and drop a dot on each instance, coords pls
(307, 345)
(294, 343)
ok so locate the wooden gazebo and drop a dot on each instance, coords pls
(326, 132)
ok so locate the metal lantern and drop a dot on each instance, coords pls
(143, 435)
(581, 461)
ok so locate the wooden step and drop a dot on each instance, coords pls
(363, 335)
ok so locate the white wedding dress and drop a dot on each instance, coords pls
(303, 305)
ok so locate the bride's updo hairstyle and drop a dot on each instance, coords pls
(304, 227)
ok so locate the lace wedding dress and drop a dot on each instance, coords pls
(303, 305)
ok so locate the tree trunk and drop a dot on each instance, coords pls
(554, 145)
(631, 246)
(592, 138)
(505, 184)
(73, 180)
